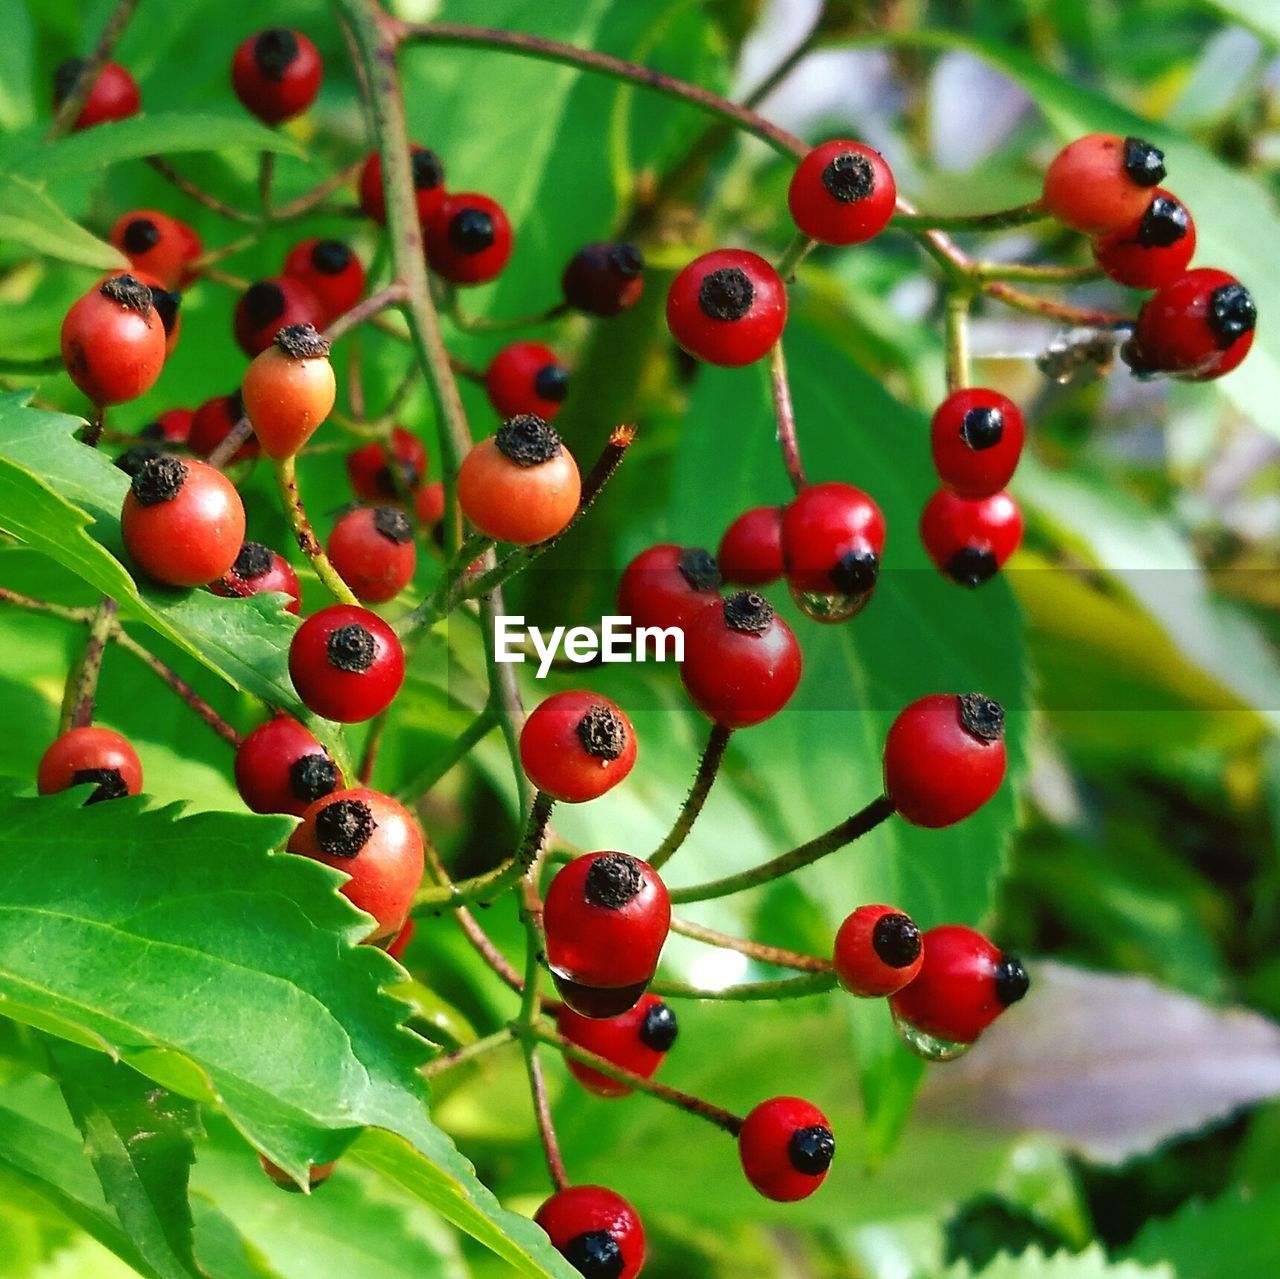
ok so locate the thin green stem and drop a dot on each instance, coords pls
(287, 482)
(1084, 317)
(704, 779)
(542, 1113)
(392, 295)
(81, 615)
(198, 194)
(266, 172)
(785, 414)
(1036, 273)
(310, 200)
(457, 750)
(956, 339)
(995, 220)
(488, 324)
(816, 983)
(468, 1052)
(795, 253)
(82, 679)
(775, 955)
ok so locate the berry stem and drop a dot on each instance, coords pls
(704, 779)
(266, 172)
(391, 295)
(1036, 273)
(817, 983)
(230, 444)
(996, 220)
(775, 955)
(542, 1112)
(859, 824)
(81, 615)
(795, 253)
(93, 431)
(486, 324)
(784, 411)
(82, 679)
(310, 200)
(71, 105)
(456, 751)
(468, 1052)
(372, 744)
(200, 196)
(1084, 317)
(287, 481)
(956, 339)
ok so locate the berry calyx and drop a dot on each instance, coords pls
(526, 377)
(595, 1230)
(182, 521)
(786, 1148)
(113, 341)
(90, 755)
(258, 570)
(750, 551)
(977, 437)
(468, 239)
(842, 193)
(277, 74)
(1153, 250)
(172, 427)
(877, 951)
(944, 757)
(576, 745)
(832, 541)
(428, 185)
(604, 279)
(213, 422)
(1199, 327)
(346, 663)
(158, 244)
(520, 485)
(970, 540)
(376, 842)
(728, 307)
(370, 468)
(668, 586)
(637, 1041)
(289, 390)
(741, 661)
(331, 271)
(1102, 182)
(271, 305)
(281, 768)
(114, 95)
(373, 551)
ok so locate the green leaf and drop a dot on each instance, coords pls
(1230, 1236)
(29, 217)
(1091, 1264)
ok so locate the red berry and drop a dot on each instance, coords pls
(271, 305)
(317, 1175)
(171, 427)
(281, 768)
(428, 184)
(604, 279)
(741, 661)
(526, 377)
(1199, 327)
(1151, 250)
(944, 758)
(428, 504)
(964, 984)
(182, 521)
(575, 746)
(668, 586)
(970, 540)
(977, 438)
(832, 541)
(727, 307)
(258, 570)
(877, 951)
(113, 341)
(330, 270)
(750, 552)
(276, 74)
(376, 842)
(637, 1041)
(289, 390)
(114, 95)
(369, 468)
(90, 755)
(1101, 182)
(167, 305)
(786, 1148)
(606, 917)
(157, 244)
(346, 663)
(373, 551)
(400, 942)
(212, 423)
(468, 239)
(521, 485)
(596, 1231)
(842, 193)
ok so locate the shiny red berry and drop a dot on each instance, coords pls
(373, 551)
(1102, 182)
(376, 842)
(90, 756)
(944, 757)
(750, 552)
(786, 1148)
(428, 185)
(977, 437)
(877, 951)
(606, 917)
(1152, 250)
(271, 305)
(468, 239)
(158, 244)
(727, 307)
(114, 95)
(172, 427)
(397, 946)
(289, 390)
(428, 504)
(637, 1041)
(277, 74)
(331, 271)
(1199, 328)
(668, 586)
(113, 341)
(842, 193)
(575, 746)
(212, 423)
(970, 540)
(258, 570)
(370, 469)
(832, 541)
(741, 661)
(281, 768)
(596, 1231)
(182, 521)
(526, 377)
(346, 663)
(604, 279)
(964, 984)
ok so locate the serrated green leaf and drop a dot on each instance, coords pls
(1090, 1264)
(1230, 1236)
(29, 217)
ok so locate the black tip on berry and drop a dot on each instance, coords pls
(302, 342)
(235, 405)
(253, 561)
(726, 294)
(274, 51)
(595, 1254)
(166, 304)
(471, 231)
(140, 235)
(311, 777)
(896, 940)
(698, 567)
(109, 783)
(128, 292)
(551, 382)
(1164, 223)
(1012, 981)
(330, 257)
(1143, 162)
(527, 440)
(263, 302)
(627, 259)
(393, 524)
(612, 881)
(982, 428)
(855, 572)
(982, 716)
(811, 1150)
(849, 177)
(1232, 313)
(602, 733)
(344, 827)
(971, 566)
(64, 79)
(131, 461)
(428, 172)
(159, 479)
(351, 648)
(748, 612)
(659, 1030)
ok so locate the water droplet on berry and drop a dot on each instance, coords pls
(930, 1047)
(830, 608)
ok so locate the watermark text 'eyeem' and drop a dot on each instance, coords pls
(616, 641)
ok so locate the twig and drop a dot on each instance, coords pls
(997, 220)
(1084, 317)
(187, 187)
(230, 444)
(784, 411)
(392, 295)
(708, 769)
(775, 955)
(82, 680)
(82, 615)
(70, 107)
(815, 983)
(542, 1112)
(488, 324)
(468, 1052)
(308, 201)
(287, 482)
(457, 750)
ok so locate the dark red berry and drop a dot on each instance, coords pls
(114, 95)
(428, 504)
(596, 1231)
(970, 540)
(604, 279)
(1102, 182)
(212, 423)
(842, 193)
(331, 271)
(90, 756)
(1199, 328)
(258, 570)
(271, 305)
(526, 377)
(428, 185)
(158, 244)
(277, 74)
(346, 663)
(727, 307)
(637, 1041)
(113, 341)
(370, 469)
(373, 551)
(786, 1148)
(750, 552)
(877, 951)
(575, 746)
(282, 768)
(668, 586)
(1152, 250)
(832, 541)
(171, 427)
(944, 758)
(977, 438)
(468, 239)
